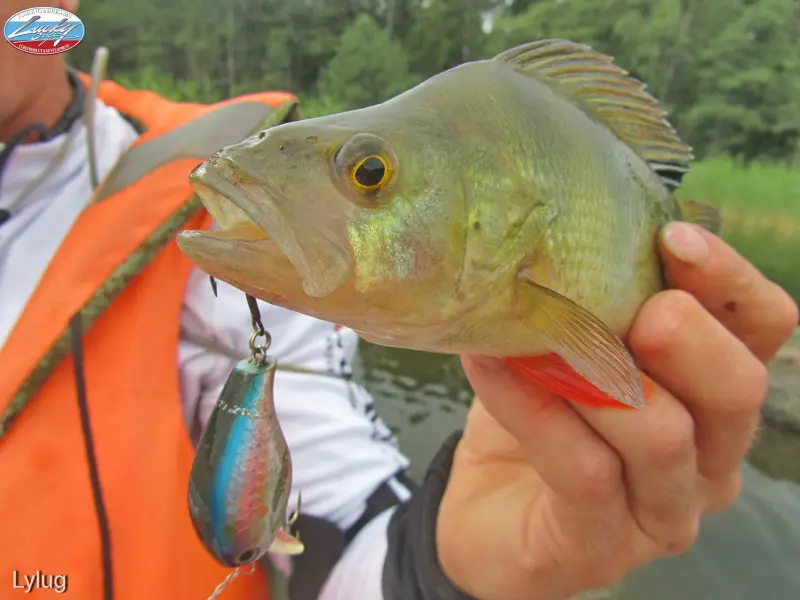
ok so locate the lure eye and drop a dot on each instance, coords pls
(370, 174)
(365, 168)
(246, 556)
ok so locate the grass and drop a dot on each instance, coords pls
(762, 188)
(761, 211)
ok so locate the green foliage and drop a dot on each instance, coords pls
(150, 78)
(761, 212)
(749, 83)
(319, 106)
(446, 33)
(728, 72)
(368, 67)
(760, 188)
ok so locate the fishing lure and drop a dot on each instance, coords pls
(242, 471)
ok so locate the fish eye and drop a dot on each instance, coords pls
(365, 166)
(246, 556)
(370, 173)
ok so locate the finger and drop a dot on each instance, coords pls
(754, 309)
(569, 457)
(657, 447)
(712, 372)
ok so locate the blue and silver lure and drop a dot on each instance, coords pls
(242, 472)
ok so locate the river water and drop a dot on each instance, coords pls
(749, 551)
(421, 396)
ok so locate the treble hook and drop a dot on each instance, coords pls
(293, 519)
(258, 354)
(255, 314)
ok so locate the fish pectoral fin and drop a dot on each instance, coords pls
(285, 543)
(555, 375)
(703, 214)
(585, 344)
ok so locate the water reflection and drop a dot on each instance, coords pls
(421, 396)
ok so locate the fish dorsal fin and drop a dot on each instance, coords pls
(621, 101)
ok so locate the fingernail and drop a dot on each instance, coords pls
(685, 243)
(488, 363)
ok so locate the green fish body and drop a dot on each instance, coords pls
(506, 207)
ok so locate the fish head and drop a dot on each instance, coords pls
(346, 217)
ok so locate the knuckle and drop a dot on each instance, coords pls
(599, 475)
(681, 303)
(658, 328)
(676, 310)
(725, 493)
(787, 315)
(672, 441)
(752, 389)
(685, 538)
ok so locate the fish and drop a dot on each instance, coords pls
(241, 475)
(507, 207)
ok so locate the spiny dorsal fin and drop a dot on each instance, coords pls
(620, 100)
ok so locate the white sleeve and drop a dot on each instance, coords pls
(361, 566)
(341, 451)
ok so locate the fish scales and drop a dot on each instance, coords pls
(507, 207)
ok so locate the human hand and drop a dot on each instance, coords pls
(547, 499)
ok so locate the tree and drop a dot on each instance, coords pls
(447, 33)
(749, 95)
(368, 67)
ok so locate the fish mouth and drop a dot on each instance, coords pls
(247, 210)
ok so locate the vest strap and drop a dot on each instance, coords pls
(199, 138)
(192, 140)
(96, 306)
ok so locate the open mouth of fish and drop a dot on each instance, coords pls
(247, 211)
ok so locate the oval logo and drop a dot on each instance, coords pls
(44, 30)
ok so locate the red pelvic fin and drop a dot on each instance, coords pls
(554, 374)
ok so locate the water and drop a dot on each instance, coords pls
(748, 551)
(421, 396)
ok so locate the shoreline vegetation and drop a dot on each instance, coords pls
(761, 212)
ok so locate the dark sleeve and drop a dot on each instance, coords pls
(412, 570)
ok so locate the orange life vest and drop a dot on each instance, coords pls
(48, 523)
